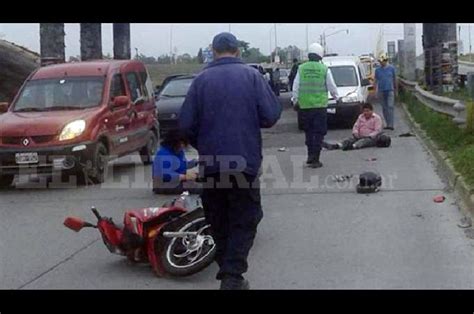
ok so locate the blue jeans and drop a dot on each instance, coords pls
(388, 101)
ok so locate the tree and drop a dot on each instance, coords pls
(244, 46)
(164, 59)
(200, 57)
(185, 58)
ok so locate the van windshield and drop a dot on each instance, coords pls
(344, 75)
(72, 93)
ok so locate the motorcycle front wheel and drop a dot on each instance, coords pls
(188, 255)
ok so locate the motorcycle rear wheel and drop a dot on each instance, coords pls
(184, 256)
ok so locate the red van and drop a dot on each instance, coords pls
(75, 117)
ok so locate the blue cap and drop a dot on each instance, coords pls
(225, 41)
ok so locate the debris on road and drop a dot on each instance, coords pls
(465, 223)
(408, 134)
(419, 215)
(439, 198)
(341, 178)
(282, 149)
(371, 159)
(469, 233)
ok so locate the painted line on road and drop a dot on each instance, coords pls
(56, 265)
(352, 192)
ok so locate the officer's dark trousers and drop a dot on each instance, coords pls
(315, 128)
(234, 211)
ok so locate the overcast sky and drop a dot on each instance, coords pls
(154, 39)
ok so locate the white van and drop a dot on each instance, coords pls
(352, 85)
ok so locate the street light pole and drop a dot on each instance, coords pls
(470, 47)
(270, 33)
(336, 32)
(307, 38)
(171, 44)
(276, 46)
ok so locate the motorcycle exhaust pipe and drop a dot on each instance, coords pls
(183, 234)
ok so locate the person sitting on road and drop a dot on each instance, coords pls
(366, 132)
(170, 167)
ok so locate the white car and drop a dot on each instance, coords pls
(352, 85)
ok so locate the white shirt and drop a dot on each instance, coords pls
(330, 85)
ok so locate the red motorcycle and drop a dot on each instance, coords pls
(175, 239)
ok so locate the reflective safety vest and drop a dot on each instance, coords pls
(312, 92)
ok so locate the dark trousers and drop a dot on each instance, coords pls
(359, 143)
(315, 127)
(234, 211)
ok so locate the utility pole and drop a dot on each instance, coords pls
(270, 34)
(307, 38)
(171, 44)
(276, 45)
(470, 47)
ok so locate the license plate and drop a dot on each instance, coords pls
(332, 110)
(26, 158)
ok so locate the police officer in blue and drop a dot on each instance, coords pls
(226, 106)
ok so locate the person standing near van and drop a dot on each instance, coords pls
(294, 70)
(310, 91)
(386, 86)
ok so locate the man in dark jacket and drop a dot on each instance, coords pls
(294, 70)
(225, 108)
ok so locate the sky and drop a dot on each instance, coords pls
(154, 39)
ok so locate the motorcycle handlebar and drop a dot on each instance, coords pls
(96, 213)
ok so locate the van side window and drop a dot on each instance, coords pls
(134, 86)
(147, 85)
(117, 88)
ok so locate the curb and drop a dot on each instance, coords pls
(455, 179)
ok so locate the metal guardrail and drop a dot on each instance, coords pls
(452, 107)
(464, 67)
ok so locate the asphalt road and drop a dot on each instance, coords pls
(315, 234)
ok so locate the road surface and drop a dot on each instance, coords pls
(313, 236)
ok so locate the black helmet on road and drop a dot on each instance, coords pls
(369, 182)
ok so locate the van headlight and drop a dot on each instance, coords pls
(351, 98)
(72, 130)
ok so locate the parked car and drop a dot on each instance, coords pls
(284, 80)
(73, 118)
(170, 99)
(258, 67)
(352, 85)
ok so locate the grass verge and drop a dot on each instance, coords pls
(456, 142)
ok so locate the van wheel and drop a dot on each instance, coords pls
(96, 169)
(148, 152)
(6, 180)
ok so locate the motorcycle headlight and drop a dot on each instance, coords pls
(350, 98)
(72, 130)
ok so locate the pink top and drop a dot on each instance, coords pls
(367, 127)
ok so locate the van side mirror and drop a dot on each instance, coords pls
(4, 107)
(139, 100)
(120, 102)
(366, 82)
